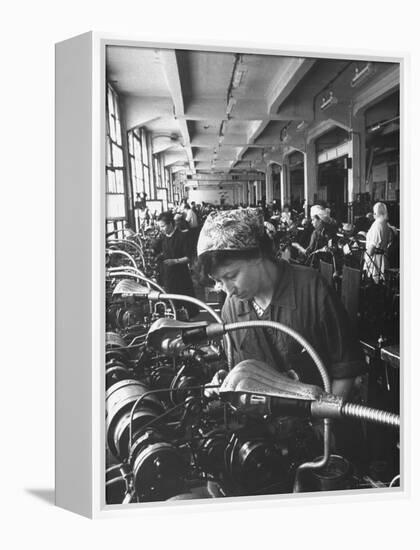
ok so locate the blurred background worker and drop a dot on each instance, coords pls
(174, 252)
(324, 230)
(378, 241)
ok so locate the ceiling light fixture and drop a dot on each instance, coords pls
(328, 101)
(301, 126)
(231, 103)
(360, 75)
(237, 77)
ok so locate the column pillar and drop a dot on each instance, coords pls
(357, 149)
(250, 192)
(283, 184)
(310, 175)
(258, 191)
(356, 172)
(269, 184)
(285, 191)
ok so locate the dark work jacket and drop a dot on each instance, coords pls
(303, 301)
(176, 279)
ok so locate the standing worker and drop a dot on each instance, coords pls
(174, 249)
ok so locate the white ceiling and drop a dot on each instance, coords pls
(222, 111)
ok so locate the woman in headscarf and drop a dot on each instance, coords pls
(324, 230)
(378, 240)
(174, 250)
(234, 250)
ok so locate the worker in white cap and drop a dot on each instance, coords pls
(322, 233)
(378, 240)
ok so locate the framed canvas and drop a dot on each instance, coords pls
(177, 406)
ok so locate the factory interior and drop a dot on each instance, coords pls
(308, 149)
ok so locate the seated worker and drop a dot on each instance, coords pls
(234, 250)
(286, 217)
(323, 231)
(192, 221)
(174, 251)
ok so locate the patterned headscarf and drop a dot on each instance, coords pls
(239, 229)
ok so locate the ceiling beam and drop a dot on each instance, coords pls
(380, 87)
(280, 88)
(171, 70)
(286, 81)
(139, 111)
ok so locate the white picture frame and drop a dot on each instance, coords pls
(80, 293)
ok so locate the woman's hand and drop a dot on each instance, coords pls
(170, 261)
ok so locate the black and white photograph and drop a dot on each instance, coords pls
(252, 273)
(210, 249)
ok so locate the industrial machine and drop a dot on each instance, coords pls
(183, 422)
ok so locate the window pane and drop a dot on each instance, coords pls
(137, 150)
(112, 128)
(109, 227)
(110, 102)
(117, 155)
(146, 181)
(119, 181)
(110, 181)
(108, 153)
(118, 132)
(115, 206)
(133, 169)
(144, 152)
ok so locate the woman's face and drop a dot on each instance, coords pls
(316, 222)
(239, 277)
(166, 228)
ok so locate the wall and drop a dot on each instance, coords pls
(211, 194)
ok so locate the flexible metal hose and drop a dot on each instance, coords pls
(373, 415)
(136, 273)
(122, 253)
(126, 242)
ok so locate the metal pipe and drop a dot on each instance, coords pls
(139, 275)
(111, 251)
(394, 480)
(125, 242)
(134, 244)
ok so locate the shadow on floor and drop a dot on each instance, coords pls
(47, 495)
